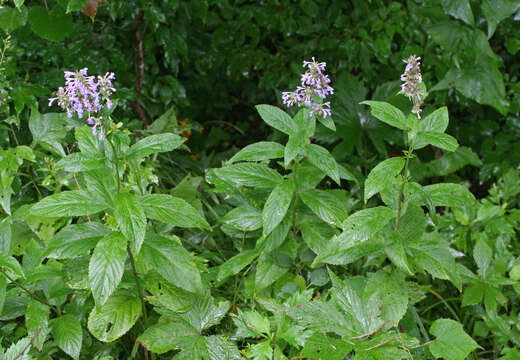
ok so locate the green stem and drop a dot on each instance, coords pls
(33, 295)
(116, 164)
(448, 306)
(401, 189)
(138, 284)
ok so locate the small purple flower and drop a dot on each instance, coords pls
(101, 135)
(94, 130)
(411, 83)
(314, 83)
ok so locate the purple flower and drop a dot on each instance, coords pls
(411, 83)
(314, 83)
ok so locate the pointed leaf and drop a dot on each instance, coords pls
(382, 176)
(295, 146)
(451, 342)
(79, 162)
(106, 266)
(263, 150)
(68, 203)
(329, 205)
(277, 119)
(323, 160)
(443, 141)
(68, 335)
(154, 144)
(387, 113)
(250, 174)
(236, 263)
(75, 240)
(131, 219)
(277, 205)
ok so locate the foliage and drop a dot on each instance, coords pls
(363, 231)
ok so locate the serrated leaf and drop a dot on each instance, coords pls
(453, 195)
(443, 141)
(5, 235)
(172, 210)
(75, 240)
(268, 271)
(329, 205)
(233, 265)
(497, 10)
(116, 317)
(387, 113)
(277, 205)
(37, 322)
(131, 219)
(382, 176)
(263, 150)
(243, 218)
(323, 160)
(391, 289)
(320, 346)
(154, 144)
(78, 162)
(173, 262)
(11, 266)
(295, 146)
(250, 174)
(451, 342)
(106, 266)
(277, 119)
(166, 335)
(68, 203)
(459, 9)
(67, 334)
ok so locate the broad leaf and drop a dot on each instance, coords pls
(243, 218)
(277, 119)
(451, 342)
(75, 240)
(277, 205)
(459, 9)
(52, 25)
(37, 322)
(250, 174)
(497, 10)
(382, 176)
(330, 205)
(173, 262)
(233, 265)
(68, 334)
(107, 266)
(11, 266)
(453, 195)
(263, 150)
(443, 141)
(268, 271)
(116, 317)
(131, 219)
(79, 162)
(68, 203)
(153, 144)
(172, 210)
(11, 18)
(387, 113)
(295, 146)
(392, 290)
(323, 160)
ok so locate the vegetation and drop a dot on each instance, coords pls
(164, 195)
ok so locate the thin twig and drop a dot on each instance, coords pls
(370, 333)
(28, 344)
(381, 344)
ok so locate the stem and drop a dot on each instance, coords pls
(138, 283)
(116, 163)
(34, 296)
(401, 189)
(448, 306)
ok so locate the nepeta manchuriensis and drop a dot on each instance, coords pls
(412, 79)
(82, 94)
(314, 82)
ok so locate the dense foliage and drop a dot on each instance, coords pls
(157, 212)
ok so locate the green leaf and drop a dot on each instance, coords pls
(327, 122)
(154, 144)
(236, 263)
(329, 205)
(459, 9)
(484, 84)
(116, 317)
(172, 210)
(37, 322)
(323, 160)
(131, 219)
(68, 203)
(497, 10)
(443, 141)
(166, 335)
(453, 195)
(395, 250)
(106, 266)
(173, 262)
(320, 346)
(67, 334)
(268, 271)
(277, 205)
(263, 150)
(48, 129)
(18, 3)
(367, 222)
(473, 294)
(219, 348)
(11, 266)
(5, 235)
(262, 351)
(11, 18)
(391, 289)
(54, 25)
(79, 162)
(451, 342)
(277, 119)
(295, 146)
(23, 345)
(101, 184)
(388, 114)
(75, 5)
(382, 176)
(250, 174)
(243, 218)
(75, 240)
(316, 234)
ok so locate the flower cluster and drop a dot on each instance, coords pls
(314, 82)
(411, 83)
(84, 95)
